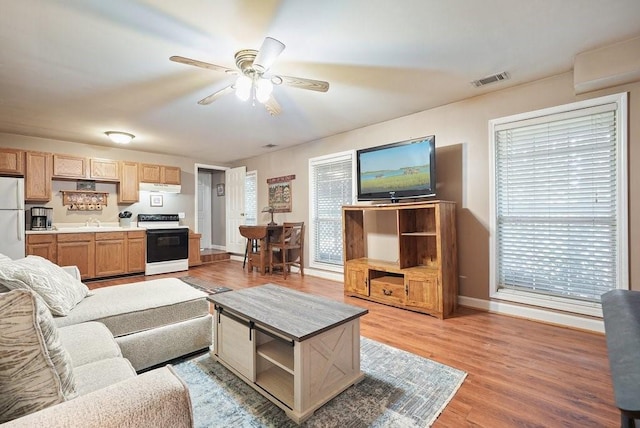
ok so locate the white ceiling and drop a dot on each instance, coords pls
(72, 69)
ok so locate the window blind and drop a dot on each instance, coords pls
(556, 202)
(331, 188)
(251, 198)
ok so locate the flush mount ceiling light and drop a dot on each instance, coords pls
(120, 137)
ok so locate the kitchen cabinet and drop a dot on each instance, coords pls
(11, 162)
(104, 169)
(37, 177)
(97, 255)
(161, 174)
(110, 254)
(43, 245)
(77, 249)
(194, 249)
(69, 167)
(80, 168)
(129, 187)
(136, 251)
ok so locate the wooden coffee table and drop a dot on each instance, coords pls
(296, 349)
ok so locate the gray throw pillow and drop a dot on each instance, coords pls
(35, 370)
(60, 291)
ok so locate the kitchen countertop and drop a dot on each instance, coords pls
(82, 228)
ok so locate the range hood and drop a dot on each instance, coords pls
(157, 187)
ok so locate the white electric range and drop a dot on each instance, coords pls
(167, 243)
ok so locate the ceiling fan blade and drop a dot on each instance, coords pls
(299, 82)
(272, 106)
(269, 51)
(201, 64)
(211, 98)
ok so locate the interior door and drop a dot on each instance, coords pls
(204, 208)
(234, 179)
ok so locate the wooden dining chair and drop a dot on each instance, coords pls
(288, 250)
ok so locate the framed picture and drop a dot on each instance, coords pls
(156, 200)
(280, 193)
(220, 189)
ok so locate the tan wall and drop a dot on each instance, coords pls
(172, 203)
(462, 141)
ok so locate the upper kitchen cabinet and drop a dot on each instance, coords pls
(71, 167)
(37, 176)
(11, 162)
(79, 168)
(159, 174)
(128, 189)
(104, 170)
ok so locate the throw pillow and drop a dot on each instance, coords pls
(35, 370)
(60, 291)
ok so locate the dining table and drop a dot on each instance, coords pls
(259, 238)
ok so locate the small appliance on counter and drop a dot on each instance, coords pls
(41, 218)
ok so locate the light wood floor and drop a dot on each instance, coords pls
(520, 373)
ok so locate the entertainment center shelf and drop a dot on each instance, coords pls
(424, 278)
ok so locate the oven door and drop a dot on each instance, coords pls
(167, 244)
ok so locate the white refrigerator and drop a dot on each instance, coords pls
(12, 217)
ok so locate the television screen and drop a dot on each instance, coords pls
(405, 169)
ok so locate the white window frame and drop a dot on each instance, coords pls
(557, 302)
(312, 198)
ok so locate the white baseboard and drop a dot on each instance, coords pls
(536, 314)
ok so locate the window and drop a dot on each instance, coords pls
(251, 198)
(331, 185)
(559, 205)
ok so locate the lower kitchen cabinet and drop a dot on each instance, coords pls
(194, 249)
(136, 251)
(43, 245)
(78, 249)
(110, 254)
(97, 255)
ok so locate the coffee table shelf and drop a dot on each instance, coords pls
(279, 383)
(278, 353)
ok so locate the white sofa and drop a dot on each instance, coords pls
(153, 321)
(110, 394)
(105, 336)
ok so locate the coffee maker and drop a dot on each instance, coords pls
(41, 218)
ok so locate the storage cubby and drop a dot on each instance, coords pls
(424, 277)
(274, 367)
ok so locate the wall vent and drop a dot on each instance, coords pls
(490, 79)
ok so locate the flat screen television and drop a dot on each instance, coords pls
(406, 169)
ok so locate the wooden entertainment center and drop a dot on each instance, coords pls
(424, 278)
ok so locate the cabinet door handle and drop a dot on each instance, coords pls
(387, 292)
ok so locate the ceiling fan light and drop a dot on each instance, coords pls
(263, 90)
(243, 87)
(120, 137)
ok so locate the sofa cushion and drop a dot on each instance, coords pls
(100, 374)
(59, 290)
(35, 370)
(88, 342)
(131, 308)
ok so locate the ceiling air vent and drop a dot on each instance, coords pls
(270, 146)
(490, 79)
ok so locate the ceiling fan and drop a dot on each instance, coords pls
(254, 80)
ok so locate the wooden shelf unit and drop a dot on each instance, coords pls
(424, 278)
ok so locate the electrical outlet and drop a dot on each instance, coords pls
(181, 215)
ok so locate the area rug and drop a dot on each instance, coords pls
(399, 390)
(204, 285)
